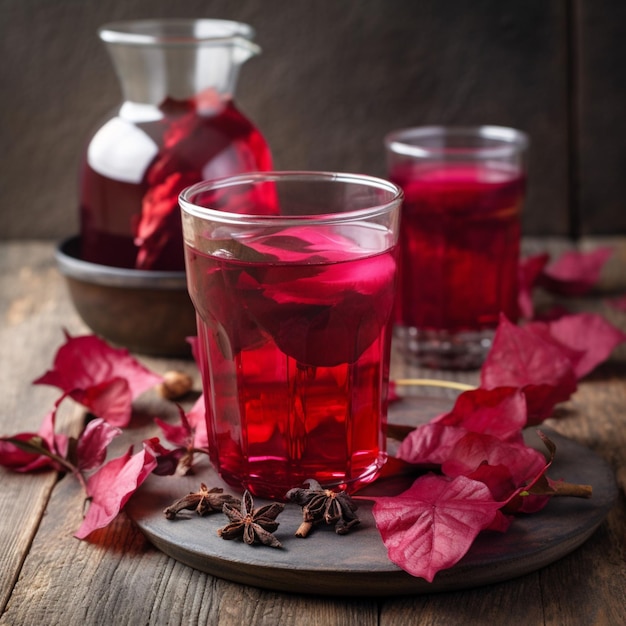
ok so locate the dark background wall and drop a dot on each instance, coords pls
(334, 77)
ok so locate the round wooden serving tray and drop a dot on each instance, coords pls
(357, 564)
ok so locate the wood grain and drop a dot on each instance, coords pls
(33, 309)
(357, 565)
(49, 577)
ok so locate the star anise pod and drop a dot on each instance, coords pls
(203, 502)
(250, 524)
(324, 505)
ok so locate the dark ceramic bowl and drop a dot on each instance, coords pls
(144, 311)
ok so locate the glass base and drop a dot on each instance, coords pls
(269, 480)
(444, 350)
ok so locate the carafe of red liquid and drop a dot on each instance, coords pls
(177, 125)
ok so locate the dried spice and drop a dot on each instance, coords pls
(175, 385)
(323, 505)
(203, 502)
(250, 524)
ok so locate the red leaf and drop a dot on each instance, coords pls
(574, 273)
(112, 485)
(174, 168)
(179, 434)
(529, 271)
(589, 336)
(92, 444)
(500, 412)
(521, 358)
(430, 443)
(111, 400)
(19, 460)
(197, 420)
(167, 459)
(103, 379)
(501, 522)
(499, 480)
(187, 436)
(192, 430)
(526, 503)
(432, 525)
(160, 220)
(475, 449)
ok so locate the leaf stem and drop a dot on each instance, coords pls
(573, 490)
(71, 468)
(200, 450)
(434, 382)
(35, 445)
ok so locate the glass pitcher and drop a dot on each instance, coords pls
(177, 125)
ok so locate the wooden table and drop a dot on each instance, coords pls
(48, 577)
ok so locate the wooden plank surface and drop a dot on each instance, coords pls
(33, 310)
(118, 577)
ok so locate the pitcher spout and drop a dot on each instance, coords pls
(244, 49)
(175, 59)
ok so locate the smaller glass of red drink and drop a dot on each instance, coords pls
(459, 239)
(292, 275)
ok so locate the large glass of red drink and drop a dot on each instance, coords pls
(293, 278)
(460, 238)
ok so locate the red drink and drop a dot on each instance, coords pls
(464, 188)
(133, 172)
(294, 357)
(460, 245)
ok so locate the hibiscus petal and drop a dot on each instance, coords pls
(529, 271)
(500, 412)
(521, 358)
(526, 503)
(96, 375)
(499, 480)
(429, 443)
(574, 273)
(474, 449)
(432, 525)
(111, 401)
(178, 434)
(197, 420)
(591, 335)
(92, 444)
(160, 220)
(112, 485)
(16, 458)
(167, 459)
(23, 461)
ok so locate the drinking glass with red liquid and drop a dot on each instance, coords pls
(460, 238)
(292, 275)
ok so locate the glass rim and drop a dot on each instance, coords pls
(189, 207)
(176, 32)
(405, 141)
